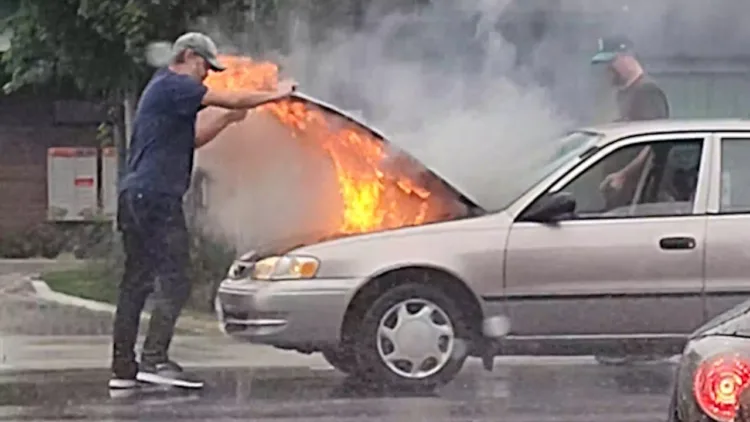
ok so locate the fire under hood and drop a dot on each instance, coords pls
(416, 167)
(397, 165)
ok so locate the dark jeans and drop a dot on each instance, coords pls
(156, 245)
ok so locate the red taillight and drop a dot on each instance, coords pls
(718, 383)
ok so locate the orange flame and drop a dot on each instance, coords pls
(374, 197)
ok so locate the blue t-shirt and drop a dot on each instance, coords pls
(162, 145)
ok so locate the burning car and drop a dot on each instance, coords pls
(411, 275)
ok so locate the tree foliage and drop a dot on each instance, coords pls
(97, 45)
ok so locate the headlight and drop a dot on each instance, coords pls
(285, 268)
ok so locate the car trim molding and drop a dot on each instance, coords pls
(615, 295)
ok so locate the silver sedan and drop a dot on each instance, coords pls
(560, 263)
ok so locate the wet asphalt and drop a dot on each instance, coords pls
(528, 392)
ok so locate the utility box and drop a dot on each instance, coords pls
(109, 182)
(72, 184)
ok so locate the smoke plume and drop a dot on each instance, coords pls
(471, 88)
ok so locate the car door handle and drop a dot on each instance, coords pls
(670, 243)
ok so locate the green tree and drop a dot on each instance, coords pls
(96, 44)
(96, 47)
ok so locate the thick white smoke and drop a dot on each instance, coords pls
(265, 186)
(449, 87)
(439, 84)
(467, 120)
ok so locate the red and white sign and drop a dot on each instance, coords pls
(72, 184)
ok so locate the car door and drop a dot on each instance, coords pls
(628, 265)
(728, 232)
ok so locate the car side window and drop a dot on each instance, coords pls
(664, 185)
(735, 176)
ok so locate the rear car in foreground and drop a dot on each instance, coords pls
(714, 371)
(573, 268)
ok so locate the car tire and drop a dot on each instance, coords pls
(436, 317)
(342, 359)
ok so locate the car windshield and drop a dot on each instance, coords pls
(543, 161)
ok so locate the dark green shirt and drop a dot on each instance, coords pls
(642, 100)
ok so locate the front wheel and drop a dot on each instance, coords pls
(413, 336)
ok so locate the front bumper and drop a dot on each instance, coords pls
(300, 314)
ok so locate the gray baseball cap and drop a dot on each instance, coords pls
(202, 45)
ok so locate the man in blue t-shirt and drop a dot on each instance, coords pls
(166, 133)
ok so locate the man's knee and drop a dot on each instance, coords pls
(172, 266)
(172, 294)
(172, 274)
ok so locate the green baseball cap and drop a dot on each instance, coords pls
(610, 47)
(202, 45)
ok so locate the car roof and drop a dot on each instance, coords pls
(614, 131)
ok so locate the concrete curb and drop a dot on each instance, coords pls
(44, 292)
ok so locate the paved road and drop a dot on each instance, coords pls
(41, 342)
(526, 392)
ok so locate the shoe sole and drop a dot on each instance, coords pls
(122, 393)
(150, 378)
(122, 384)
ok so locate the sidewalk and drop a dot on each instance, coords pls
(22, 312)
(38, 265)
(39, 331)
(22, 353)
(29, 307)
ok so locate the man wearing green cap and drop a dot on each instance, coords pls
(638, 98)
(166, 132)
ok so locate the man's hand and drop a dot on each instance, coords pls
(237, 115)
(614, 181)
(285, 88)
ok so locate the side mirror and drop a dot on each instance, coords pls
(550, 208)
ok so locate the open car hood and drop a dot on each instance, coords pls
(415, 166)
(366, 183)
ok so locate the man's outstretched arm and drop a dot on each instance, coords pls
(212, 120)
(247, 99)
